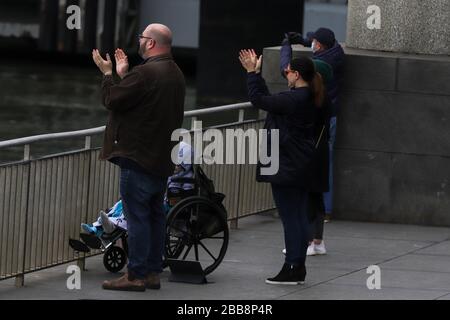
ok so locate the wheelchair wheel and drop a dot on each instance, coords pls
(114, 259)
(197, 230)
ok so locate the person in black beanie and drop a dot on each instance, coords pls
(325, 47)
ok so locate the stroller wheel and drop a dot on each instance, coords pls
(114, 259)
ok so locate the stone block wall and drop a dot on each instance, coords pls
(392, 161)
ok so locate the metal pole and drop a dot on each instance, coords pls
(193, 119)
(81, 263)
(241, 115)
(87, 142)
(69, 37)
(90, 25)
(48, 25)
(109, 27)
(19, 281)
(26, 152)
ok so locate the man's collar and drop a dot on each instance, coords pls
(165, 56)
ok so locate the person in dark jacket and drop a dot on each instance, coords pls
(325, 47)
(294, 113)
(320, 167)
(145, 107)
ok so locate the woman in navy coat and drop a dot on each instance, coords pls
(295, 114)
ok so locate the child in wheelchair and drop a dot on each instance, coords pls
(194, 212)
(112, 223)
(108, 221)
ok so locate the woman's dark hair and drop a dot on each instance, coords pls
(306, 69)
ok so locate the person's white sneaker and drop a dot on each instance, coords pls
(311, 251)
(320, 248)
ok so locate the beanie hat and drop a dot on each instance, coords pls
(325, 36)
(325, 70)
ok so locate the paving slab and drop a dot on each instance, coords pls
(349, 292)
(414, 263)
(442, 249)
(400, 279)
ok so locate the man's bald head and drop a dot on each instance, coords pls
(160, 33)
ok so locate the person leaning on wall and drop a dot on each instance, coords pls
(326, 48)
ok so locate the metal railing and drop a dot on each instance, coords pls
(88, 133)
(44, 201)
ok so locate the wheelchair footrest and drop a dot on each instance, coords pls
(79, 246)
(91, 240)
(115, 235)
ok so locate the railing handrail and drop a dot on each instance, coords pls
(98, 130)
(51, 136)
(229, 107)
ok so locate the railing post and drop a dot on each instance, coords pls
(87, 142)
(26, 152)
(193, 119)
(234, 222)
(20, 281)
(81, 263)
(241, 115)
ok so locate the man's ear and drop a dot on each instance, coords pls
(151, 44)
(319, 46)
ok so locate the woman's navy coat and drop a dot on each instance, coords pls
(294, 114)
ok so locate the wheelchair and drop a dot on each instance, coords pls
(196, 228)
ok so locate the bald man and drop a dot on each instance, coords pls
(145, 107)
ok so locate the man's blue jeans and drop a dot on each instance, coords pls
(292, 205)
(328, 196)
(142, 197)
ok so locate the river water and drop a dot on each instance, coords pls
(41, 97)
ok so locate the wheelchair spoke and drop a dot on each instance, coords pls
(194, 222)
(187, 252)
(175, 245)
(197, 222)
(206, 249)
(196, 251)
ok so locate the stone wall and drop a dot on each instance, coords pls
(412, 26)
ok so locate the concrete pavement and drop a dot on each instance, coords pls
(414, 263)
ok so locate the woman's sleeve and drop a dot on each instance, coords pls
(281, 103)
(285, 57)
